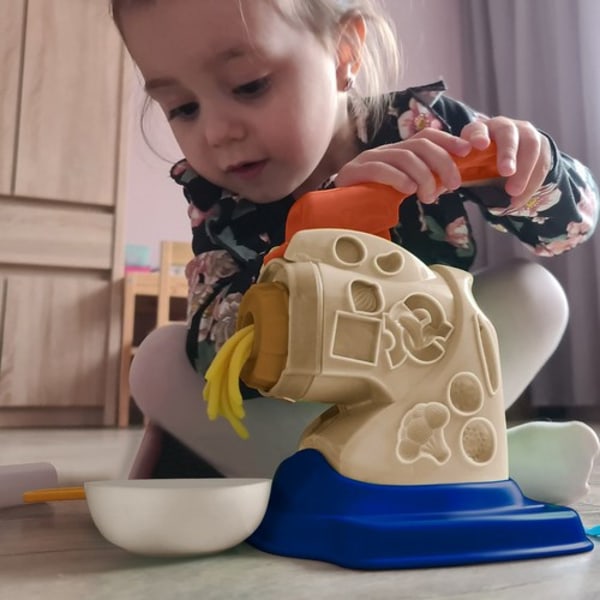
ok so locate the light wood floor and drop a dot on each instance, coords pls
(53, 551)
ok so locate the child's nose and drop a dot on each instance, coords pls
(222, 127)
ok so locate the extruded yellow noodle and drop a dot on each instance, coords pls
(212, 393)
(216, 372)
(240, 355)
(221, 391)
(226, 350)
(237, 425)
(231, 403)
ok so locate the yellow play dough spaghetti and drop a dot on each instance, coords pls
(222, 390)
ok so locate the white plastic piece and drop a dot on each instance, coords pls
(17, 479)
(177, 517)
(552, 462)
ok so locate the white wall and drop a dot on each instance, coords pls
(429, 31)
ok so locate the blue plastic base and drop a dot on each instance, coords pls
(316, 513)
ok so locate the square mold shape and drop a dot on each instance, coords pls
(356, 338)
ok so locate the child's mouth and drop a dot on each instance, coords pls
(248, 170)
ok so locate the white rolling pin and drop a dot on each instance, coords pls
(17, 479)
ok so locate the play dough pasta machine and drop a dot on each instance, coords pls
(408, 467)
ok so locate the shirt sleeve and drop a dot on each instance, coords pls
(562, 213)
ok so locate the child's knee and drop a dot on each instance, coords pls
(543, 297)
(525, 292)
(158, 366)
(529, 311)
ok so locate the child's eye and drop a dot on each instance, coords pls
(185, 111)
(254, 88)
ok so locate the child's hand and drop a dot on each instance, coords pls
(524, 154)
(410, 166)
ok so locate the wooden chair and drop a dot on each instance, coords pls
(169, 282)
(174, 256)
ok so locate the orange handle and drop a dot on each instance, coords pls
(369, 207)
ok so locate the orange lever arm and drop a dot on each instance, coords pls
(369, 207)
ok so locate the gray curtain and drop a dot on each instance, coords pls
(539, 60)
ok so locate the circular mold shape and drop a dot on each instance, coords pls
(478, 441)
(465, 393)
(350, 251)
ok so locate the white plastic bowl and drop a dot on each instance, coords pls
(177, 517)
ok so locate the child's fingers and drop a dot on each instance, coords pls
(526, 160)
(534, 183)
(451, 143)
(418, 165)
(524, 156)
(504, 132)
(477, 134)
(533, 162)
(434, 162)
(376, 172)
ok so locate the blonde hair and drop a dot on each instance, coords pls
(380, 55)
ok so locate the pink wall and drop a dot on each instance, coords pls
(156, 208)
(429, 32)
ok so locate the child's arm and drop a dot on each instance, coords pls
(562, 210)
(560, 215)
(555, 203)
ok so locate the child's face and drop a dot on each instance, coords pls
(253, 101)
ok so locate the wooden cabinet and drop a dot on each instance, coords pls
(11, 37)
(63, 115)
(70, 96)
(55, 337)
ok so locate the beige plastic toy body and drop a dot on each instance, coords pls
(401, 350)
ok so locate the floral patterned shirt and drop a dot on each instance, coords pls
(231, 235)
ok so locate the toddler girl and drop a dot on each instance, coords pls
(269, 99)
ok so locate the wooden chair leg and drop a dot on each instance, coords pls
(126, 352)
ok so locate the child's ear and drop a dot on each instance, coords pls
(349, 49)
